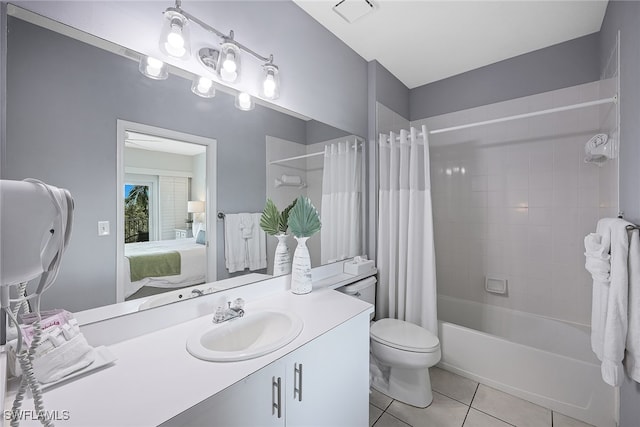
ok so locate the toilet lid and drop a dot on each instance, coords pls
(404, 335)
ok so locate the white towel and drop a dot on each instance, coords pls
(597, 259)
(609, 305)
(600, 269)
(235, 251)
(632, 357)
(246, 225)
(600, 292)
(594, 247)
(256, 245)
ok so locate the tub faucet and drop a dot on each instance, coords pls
(223, 314)
(196, 293)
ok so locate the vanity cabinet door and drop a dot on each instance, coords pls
(328, 378)
(246, 403)
(324, 383)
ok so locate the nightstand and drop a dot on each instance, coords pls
(182, 233)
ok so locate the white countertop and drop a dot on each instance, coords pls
(155, 378)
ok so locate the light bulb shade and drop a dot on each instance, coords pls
(229, 62)
(174, 38)
(195, 206)
(271, 82)
(153, 68)
(203, 86)
(244, 102)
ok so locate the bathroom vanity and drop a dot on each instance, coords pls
(319, 378)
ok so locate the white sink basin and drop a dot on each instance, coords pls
(253, 335)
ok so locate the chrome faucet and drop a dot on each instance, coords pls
(196, 293)
(223, 314)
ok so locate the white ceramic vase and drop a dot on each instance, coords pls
(301, 271)
(282, 258)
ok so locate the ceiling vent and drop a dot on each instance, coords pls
(352, 10)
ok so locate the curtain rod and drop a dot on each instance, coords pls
(613, 99)
(304, 156)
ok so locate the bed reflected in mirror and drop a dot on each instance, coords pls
(165, 182)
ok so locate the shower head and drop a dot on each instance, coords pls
(599, 149)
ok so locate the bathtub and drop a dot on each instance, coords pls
(545, 361)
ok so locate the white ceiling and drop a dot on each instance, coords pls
(423, 41)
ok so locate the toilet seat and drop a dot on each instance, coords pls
(404, 336)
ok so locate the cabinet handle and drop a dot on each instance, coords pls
(297, 389)
(276, 396)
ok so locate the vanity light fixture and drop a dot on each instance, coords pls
(223, 61)
(209, 58)
(203, 86)
(153, 68)
(230, 68)
(271, 82)
(244, 102)
(174, 39)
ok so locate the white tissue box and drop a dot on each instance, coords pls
(357, 268)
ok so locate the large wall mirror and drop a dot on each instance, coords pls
(158, 166)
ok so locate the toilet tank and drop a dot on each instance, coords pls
(364, 290)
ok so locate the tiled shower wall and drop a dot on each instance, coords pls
(515, 200)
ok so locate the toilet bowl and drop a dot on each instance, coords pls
(406, 351)
(401, 351)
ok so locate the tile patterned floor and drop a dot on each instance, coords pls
(461, 402)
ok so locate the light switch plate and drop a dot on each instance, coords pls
(103, 228)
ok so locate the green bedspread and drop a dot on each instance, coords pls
(154, 265)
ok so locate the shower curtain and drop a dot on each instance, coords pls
(406, 253)
(341, 201)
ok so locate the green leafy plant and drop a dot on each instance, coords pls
(284, 217)
(272, 221)
(304, 219)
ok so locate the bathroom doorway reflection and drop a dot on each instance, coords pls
(162, 242)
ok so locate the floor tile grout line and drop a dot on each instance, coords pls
(377, 419)
(498, 418)
(453, 398)
(493, 416)
(474, 394)
(382, 409)
(469, 407)
(393, 416)
(465, 416)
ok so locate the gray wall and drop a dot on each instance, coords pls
(63, 103)
(625, 16)
(555, 67)
(321, 76)
(390, 91)
(320, 132)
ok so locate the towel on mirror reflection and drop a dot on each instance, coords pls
(234, 244)
(257, 245)
(245, 242)
(247, 225)
(632, 356)
(610, 302)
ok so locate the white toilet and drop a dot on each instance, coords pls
(404, 352)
